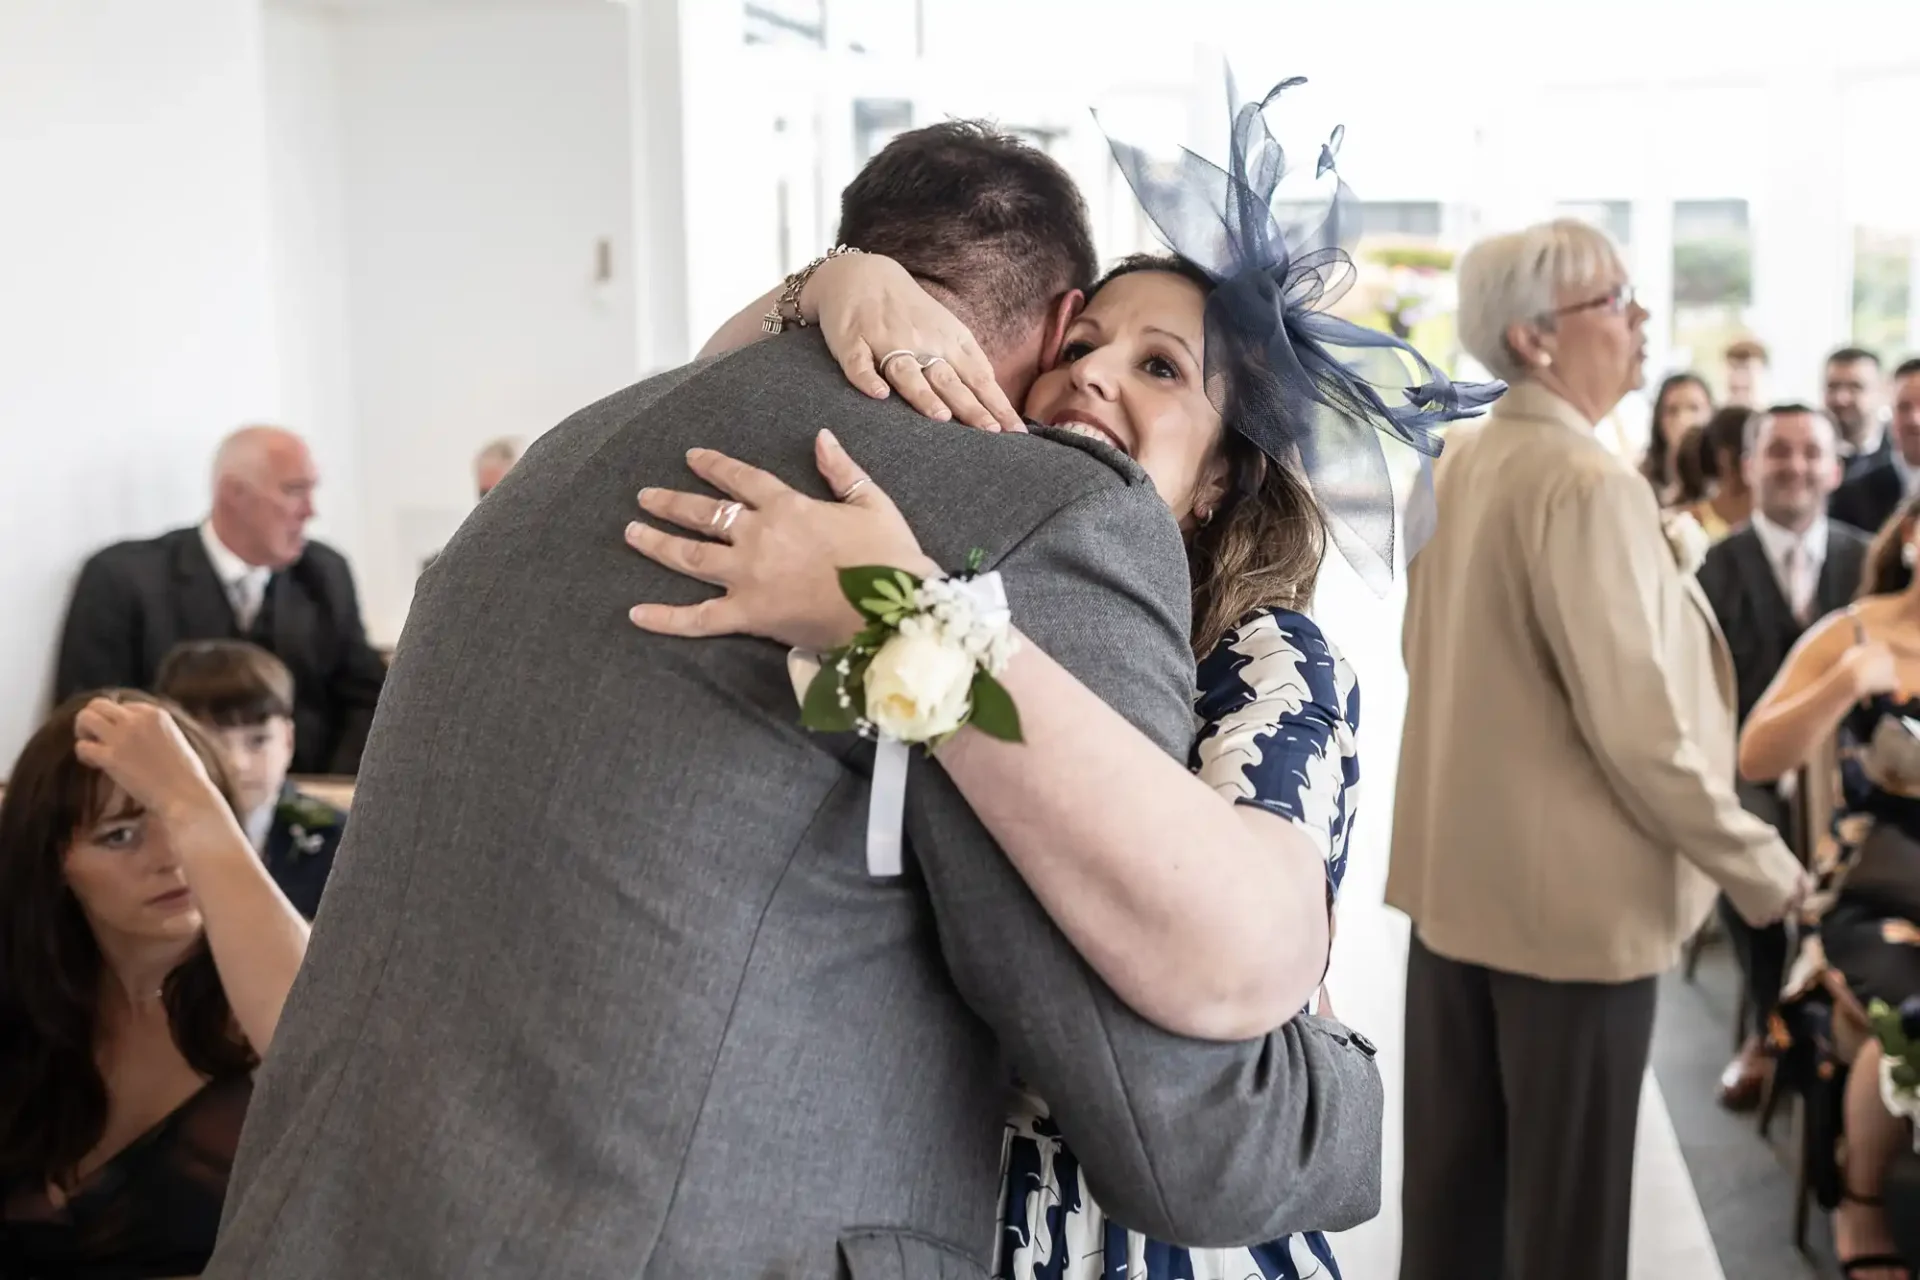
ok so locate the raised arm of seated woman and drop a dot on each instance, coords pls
(256, 937)
(1834, 666)
(1209, 917)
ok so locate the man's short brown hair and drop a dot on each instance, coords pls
(228, 684)
(989, 219)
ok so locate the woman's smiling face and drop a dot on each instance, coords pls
(1131, 373)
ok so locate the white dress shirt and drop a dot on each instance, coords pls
(1781, 544)
(1909, 475)
(245, 584)
(259, 826)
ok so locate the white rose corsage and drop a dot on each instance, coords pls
(922, 668)
(1897, 1030)
(1688, 540)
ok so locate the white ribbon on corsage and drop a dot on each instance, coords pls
(887, 803)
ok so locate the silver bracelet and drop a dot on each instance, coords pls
(779, 318)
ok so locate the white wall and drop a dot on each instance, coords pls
(486, 154)
(306, 190)
(136, 322)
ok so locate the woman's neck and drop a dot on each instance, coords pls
(1733, 504)
(136, 969)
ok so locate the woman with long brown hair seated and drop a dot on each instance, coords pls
(145, 955)
(1856, 675)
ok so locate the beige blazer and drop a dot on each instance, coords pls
(1565, 801)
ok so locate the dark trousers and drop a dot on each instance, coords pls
(1762, 956)
(1522, 1098)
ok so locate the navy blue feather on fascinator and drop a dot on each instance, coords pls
(1285, 373)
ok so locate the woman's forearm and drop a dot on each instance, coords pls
(257, 938)
(743, 327)
(1780, 737)
(1209, 918)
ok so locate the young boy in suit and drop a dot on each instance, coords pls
(244, 697)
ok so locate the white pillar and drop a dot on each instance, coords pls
(659, 183)
(1802, 244)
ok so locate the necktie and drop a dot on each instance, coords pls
(245, 594)
(1799, 583)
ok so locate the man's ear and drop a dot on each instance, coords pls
(1061, 315)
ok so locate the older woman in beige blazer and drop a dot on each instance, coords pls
(1565, 805)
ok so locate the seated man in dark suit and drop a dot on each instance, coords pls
(1768, 581)
(243, 696)
(1868, 500)
(248, 572)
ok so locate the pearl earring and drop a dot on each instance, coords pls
(1909, 554)
(1545, 359)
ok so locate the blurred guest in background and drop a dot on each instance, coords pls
(1869, 497)
(1682, 404)
(1855, 399)
(491, 464)
(243, 696)
(1565, 797)
(1767, 583)
(145, 956)
(248, 571)
(1720, 451)
(1746, 364)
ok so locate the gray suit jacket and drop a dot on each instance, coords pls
(601, 987)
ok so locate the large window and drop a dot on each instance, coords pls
(787, 23)
(1882, 291)
(1712, 281)
(876, 122)
(1615, 217)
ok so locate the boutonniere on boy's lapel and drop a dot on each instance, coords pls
(307, 821)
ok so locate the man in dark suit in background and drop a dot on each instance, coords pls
(247, 572)
(1768, 581)
(1856, 401)
(1869, 497)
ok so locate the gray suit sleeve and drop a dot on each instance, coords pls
(1191, 1142)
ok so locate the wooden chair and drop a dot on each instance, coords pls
(1820, 1097)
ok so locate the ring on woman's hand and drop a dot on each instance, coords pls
(895, 354)
(931, 361)
(853, 489)
(723, 517)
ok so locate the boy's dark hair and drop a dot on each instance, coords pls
(1847, 355)
(989, 219)
(228, 684)
(1907, 367)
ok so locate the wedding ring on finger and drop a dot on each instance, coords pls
(723, 517)
(895, 354)
(853, 489)
(931, 361)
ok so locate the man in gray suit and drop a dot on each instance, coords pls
(601, 987)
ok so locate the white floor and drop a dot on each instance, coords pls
(1367, 981)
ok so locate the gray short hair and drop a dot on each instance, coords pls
(1518, 277)
(504, 451)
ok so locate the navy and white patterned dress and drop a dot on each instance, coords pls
(1278, 709)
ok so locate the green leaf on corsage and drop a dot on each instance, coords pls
(879, 592)
(823, 711)
(993, 711)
